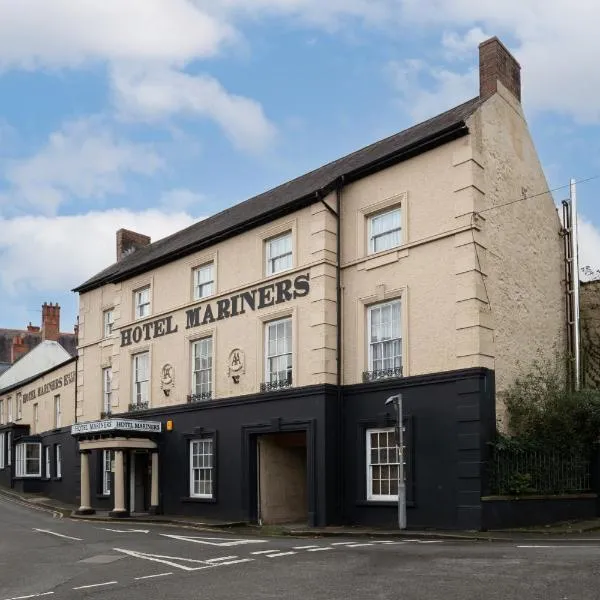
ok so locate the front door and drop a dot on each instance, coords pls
(140, 482)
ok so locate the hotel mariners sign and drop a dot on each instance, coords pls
(226, 308)
(50, 386)
(116, 425)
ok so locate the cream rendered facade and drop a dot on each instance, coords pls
(480, 285)
(44, 403)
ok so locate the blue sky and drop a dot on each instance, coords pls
(153, 116)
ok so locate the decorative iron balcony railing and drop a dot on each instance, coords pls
(381, 374)
(276, 384)
(202, 397)
(138, 406)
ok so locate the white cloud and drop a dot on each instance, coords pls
(83, 160)
(461, 46)
(589, 244)
(37, 253)
(159, 94)
(424, 91)
(556, 44)
(181, 200)
(38, 33)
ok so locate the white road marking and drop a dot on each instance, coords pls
(30, 596)
(341, 543)
(318, 549)
(216, 560)
(430, 541)
(357, 545)
(152, 576)
(125, 530)
(235, 562)
(280, 554)
(304, 547)
(264, 551)
(212, 541)
(389, 542)
(95, 585)
(68, 537)
(167, 560)
(558, 546)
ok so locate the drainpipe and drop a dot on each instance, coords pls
(76, 373)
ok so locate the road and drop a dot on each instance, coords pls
(60, 559)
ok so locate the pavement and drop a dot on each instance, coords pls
(567, 530)
(44, 555)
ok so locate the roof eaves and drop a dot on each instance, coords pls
(453, 131)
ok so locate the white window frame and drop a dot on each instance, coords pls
(47, 462)
(57, 412)
(36, 416)
(107, 389)
(203, 467)
(271, 356)
(2, 450)
(134, 372)
(272, 257)
(370, 465)
(19, 407)
(108, 320)
(2, 412)
(141, 302)
(204, 280)
(22, 460)
(58, 460)
(371, 344)
(202, 343)
(386, 234)
(9, 407)
(106, 471)
(9, 449)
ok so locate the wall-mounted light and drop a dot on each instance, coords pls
(170, 425)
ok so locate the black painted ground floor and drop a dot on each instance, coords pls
(318, 455)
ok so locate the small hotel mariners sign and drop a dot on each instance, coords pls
(116, 425)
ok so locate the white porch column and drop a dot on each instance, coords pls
(119, 482)
(86, 505)
(154, 485)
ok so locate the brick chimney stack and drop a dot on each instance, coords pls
(50, 321)
(18, 348)
(129, 241)
(497, 64)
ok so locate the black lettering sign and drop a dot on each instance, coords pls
(193, 317)
(268, 295)
(208, 315)
(301, 286)
(223, 309)
(283, 293)
(265, 297)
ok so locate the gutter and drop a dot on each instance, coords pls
(446, 135)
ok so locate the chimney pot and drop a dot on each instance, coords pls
(497, 64)
(129, 241)
(50, 321)
(17, 349)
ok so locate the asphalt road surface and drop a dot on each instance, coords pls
(45, 557)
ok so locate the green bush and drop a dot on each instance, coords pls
(544, 413)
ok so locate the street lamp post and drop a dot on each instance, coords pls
(397, 402)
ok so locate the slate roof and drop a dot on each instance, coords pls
(291, 195)
(45, 356)
(31, 339)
